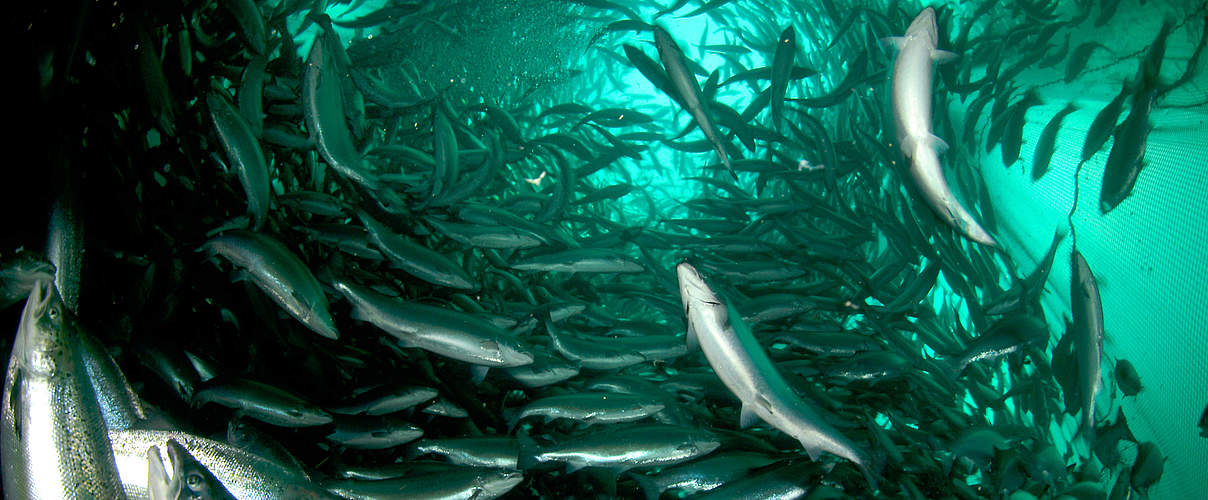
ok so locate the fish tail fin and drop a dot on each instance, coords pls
(650, 489)
(1086, 432)
(529, 450)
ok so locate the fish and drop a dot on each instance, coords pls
(1087, 309)
(1012, 139)
(785, 481)
(499, 452)
(372, 433)
(1127, 378)
(590, 408)
(189, 480)
(446, 332)
(1148, 468)
(244, 475)
(782, 65)
(1014, 333)
(1103, 124)
(414, 259)
(323, 109)
(53, 439)
(912, 115)
(1046, 145)
(686, 87)
(251, 24)
(262, 402)
(1079, 59)
(622, 448)
(1204, 423)
(745, 369)
(244, 153)
(1127, 155)
(704, 474)
(476, 483)
(386, 399)
(280, 274)
(580, 260)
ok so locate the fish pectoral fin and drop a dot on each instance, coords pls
(943, 56)
(14, 400)
(896, 41)
(747, 417)
(693, 343)
(938, 144)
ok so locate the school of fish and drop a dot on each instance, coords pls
(588, 258)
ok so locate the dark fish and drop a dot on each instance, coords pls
(1204, 423)
(1047, 143)
(1012, 140)
(684, 84)
(1127, 155)
(262, 402)
(1128, 378)
(1147, 469)
(782, 65)
(1079, 58)
(1104, 124)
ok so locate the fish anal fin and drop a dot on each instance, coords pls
(478, 373)
(747, 417)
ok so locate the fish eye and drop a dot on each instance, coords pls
(53, 313)
(194, 480)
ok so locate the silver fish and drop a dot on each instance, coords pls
(912, 114)
(743, 366)
(52, 433)
(245, 475)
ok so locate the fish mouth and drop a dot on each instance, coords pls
(39, 299)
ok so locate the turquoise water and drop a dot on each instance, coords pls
(533, 165)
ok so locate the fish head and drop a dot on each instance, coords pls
(514, 354)
(923, 27)
(308, 414)
(693, 288)
(194, 480)
(664, 43)
(43, 331)
(502, 481)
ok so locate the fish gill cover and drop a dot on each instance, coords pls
(476, 248)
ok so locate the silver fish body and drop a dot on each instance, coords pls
(280, 274)
(745, 369)
(912, 114)
(1087, 310)
(245, 475)
(52, 433)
